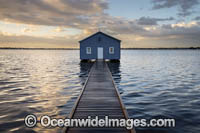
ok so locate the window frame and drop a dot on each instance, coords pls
(113, 51)
(88, 51)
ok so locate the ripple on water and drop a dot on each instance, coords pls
(153, 84)
(48, 85)
(162, 84)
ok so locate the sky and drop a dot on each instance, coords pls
(63, 23)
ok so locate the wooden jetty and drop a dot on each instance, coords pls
(99, 97)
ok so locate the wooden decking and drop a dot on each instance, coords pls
(99, 97)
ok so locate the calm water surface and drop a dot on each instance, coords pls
(152, 83)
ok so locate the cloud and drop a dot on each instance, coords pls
(29, 29)
(133, 35)
(59, 29)
(186, 6)
(6, 34)
(87, 16)
(180, 30)
(197, 18)
(12, 40)
(46, 12)
(131, 31)
(152, 21)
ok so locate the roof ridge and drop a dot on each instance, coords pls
(100, 32)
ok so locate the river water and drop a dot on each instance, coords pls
(152, 83)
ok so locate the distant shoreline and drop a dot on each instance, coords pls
(9, 48)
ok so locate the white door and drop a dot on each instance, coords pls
(100, 53)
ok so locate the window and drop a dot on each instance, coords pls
(88, 50)
(111, 50)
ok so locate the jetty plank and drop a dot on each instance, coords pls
(99, 97)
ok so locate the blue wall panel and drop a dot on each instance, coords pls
(94, 42)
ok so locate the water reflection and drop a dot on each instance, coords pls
(48, 85)
(113, 66)
(154, 84)
(84, 70)
(115, 70)
(162, 84)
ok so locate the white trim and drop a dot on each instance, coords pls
(88, 50)
(111, 50)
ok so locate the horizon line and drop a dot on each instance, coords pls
(79, 48)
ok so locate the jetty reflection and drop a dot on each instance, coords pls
(113, 66)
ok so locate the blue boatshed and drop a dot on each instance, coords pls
(100, 46)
